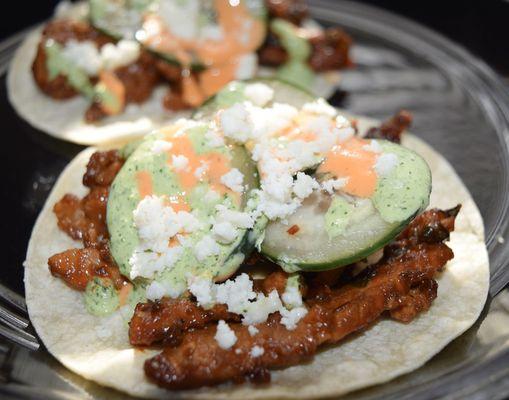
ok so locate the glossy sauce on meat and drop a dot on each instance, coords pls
(85, 220)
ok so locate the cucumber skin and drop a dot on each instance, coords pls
(204, 110)
(316, 267)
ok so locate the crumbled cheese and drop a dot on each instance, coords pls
(385, 163)
(214, 138)
(331, 185)
(373, 146)
(161, 146)
(304, 185)
(84, 55)
(225, 336)
(235, 123)
(201, 170)
(253, 330)
(224, 232)
(179, 162)
(236, 293)
(237, 218)
(290, 318)
(259, 94)
(247, 65)
(233, 180)
(123, 53)
(257, 351)
(206, 247)
(203, 290)
(320, 107)
(157, 290)
(257, 311)
(292, 297)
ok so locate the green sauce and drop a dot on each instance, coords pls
(338, 216)
(101, 298)
(124, 198)
(296, 70)
(405, 190)
(58, 64)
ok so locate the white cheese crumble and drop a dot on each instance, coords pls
(320, 107)
(259, 94)
(240, 298)
(225, 336)
(201, 170)
(224, 232)
(206, 247)
(257, 351)
(156, 224)
(373, 146)
(214, 138)
(292, 297)
(86, 56)
(237, 218)
(235, 123)
(304, 185)
(253, 330)
(290, 318)
(123, 53)
(331, 185)
(233, 180)
(161, 146)
(157, 290)
(203, 290)
(247, 65)
(385, 163)
(179, 162)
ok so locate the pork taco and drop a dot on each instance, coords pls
(269, 247)
(107, 69)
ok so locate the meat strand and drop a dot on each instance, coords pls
(166, 320)
(392, 128)
(85, 220)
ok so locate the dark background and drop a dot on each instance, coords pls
(482, 26)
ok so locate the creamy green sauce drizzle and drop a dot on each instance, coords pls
(405, 190)
(296, 70)
(101, 298)
(58, 64)
(124, 198)
(338, 216)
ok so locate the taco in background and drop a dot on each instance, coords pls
(109, 69)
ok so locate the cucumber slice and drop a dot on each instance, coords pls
(234, 93)
(119, 18)
(124, 198)
(353, 228)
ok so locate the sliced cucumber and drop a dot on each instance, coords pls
(119, 18)
(234, 93)
(124, 198)
(329, 237)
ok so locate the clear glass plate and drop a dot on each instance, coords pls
(460, 107)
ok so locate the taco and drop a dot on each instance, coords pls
(231, 254)
(107, 69)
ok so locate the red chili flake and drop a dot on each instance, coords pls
(293, 229)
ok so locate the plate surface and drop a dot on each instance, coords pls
(460, 107)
